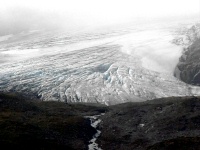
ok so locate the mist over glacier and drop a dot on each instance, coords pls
(93, 51)
(132, 62)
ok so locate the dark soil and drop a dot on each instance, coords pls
(162, 124)
(45, 125)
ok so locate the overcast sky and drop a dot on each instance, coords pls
(23, 14)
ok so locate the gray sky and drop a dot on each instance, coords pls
(26, 14)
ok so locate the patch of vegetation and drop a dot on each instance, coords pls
(28, 124)
(161, 124)
(182, 143)
(139, 125)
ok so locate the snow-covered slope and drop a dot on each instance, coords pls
(135, 63)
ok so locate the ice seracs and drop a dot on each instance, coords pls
(109, 67)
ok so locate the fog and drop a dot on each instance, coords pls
(121, 49)
(18, 16)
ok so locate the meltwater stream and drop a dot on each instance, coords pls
(94, 123)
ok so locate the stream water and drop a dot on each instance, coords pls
(94, 123)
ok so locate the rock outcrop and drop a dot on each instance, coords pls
(189, 64)
(188, 68)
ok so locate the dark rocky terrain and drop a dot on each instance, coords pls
(162, 124)
(188, 68)
(189, 64)
(45, 125)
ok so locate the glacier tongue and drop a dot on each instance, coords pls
(100, 73)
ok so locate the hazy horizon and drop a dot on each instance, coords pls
(18, 16)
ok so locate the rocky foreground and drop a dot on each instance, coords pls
(45, 125)
(161, 124)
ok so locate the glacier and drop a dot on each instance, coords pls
(123, 64)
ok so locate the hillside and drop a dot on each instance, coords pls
(161, 124)
(44, 125)
(170, 123)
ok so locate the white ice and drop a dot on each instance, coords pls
(154, 48)
(111, 66)
(5, 37)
